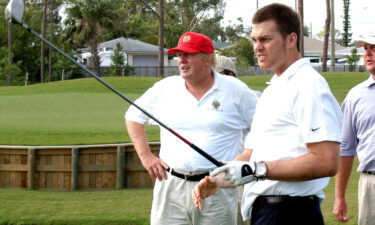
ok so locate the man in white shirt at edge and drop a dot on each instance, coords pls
(293, 146)
(208, 109)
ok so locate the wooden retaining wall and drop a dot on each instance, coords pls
(80, 167)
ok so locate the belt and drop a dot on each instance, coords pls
(274, 199)
(369, 172)
(189, 177)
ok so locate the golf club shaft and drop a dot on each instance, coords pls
(196, 148)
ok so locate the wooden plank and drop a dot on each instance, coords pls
(48, 180)
(134, 168)
(37, 180)
(24, 179)
(99, 150)
(5, 179)
(12, 180)
(54, 151)
(67, 181)
(74, 168)
(97, 168)
(98, 175)
(120, 171)
(54, 168)
(12, 167)
(31, 168)
(48, 159)
(13, 151)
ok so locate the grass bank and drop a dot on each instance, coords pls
(83, 111)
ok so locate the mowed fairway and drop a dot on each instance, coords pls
(70, 112)
(85, 112)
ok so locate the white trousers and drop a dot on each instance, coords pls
(172, 204)
(366, 199)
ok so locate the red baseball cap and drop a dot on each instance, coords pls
(192, 42)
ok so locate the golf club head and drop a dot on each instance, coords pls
(14, 11)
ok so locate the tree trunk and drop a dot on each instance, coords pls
(333, 56)
(95, 59)
(42, 46)
(326, 36)
(51, 39)
(300, 13)
(161, 39)
(10, 52)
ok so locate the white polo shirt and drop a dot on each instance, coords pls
(295, 109)
(215, 123)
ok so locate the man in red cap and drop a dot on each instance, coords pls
(208, 109)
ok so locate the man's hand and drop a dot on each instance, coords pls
(206, 187)
(236, 172)
(340, 209)
(155, 166)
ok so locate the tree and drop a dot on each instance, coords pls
(353, 59)
(87, 21)
(326, 35)
(10, 53)
(119, 62)
(7, 66)
(346, 35)
(300, 13)
(42, 45)
(332, 33)
(242, 50)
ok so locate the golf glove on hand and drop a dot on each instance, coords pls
(236, 172)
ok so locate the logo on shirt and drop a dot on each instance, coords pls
(215, 104)
(315, 129)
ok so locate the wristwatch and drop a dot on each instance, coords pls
(260, 170)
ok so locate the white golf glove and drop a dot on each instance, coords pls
(236, 172)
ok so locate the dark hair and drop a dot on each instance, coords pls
(286, 19)
(228, 72)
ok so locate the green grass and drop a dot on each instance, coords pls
(71, 112)
(119, 207)
(85, 112)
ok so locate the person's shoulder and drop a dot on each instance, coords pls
(170, 80)
(307, 75)
(357, 89)
(232, 81)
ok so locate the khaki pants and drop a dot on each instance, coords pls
(366, 199)
(239, 215)
(172, 204)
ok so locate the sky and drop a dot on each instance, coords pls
(362, 14)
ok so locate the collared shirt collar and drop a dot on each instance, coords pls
(217, 81)
(370, 81)
(290, 71)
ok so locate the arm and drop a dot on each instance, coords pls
(340, 206)
(322, 161)
(209, 185)
(154, 165)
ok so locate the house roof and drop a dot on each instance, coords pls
(348, 51)
(315, 47)
(131, 46)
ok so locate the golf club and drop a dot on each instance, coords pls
(14, 12)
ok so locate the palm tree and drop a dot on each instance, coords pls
(300, 13)
(353, 59)
(42, 45)
(87, 22)
(326, 35)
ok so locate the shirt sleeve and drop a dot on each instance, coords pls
(317, 113)
(148, 102)
(247, 105)
(348, 131)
